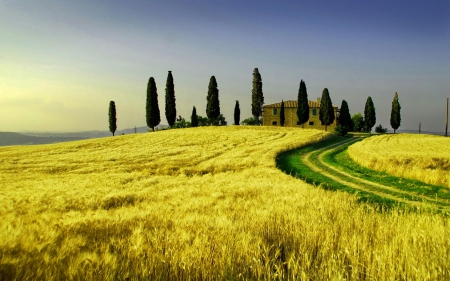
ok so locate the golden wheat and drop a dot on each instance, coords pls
(198, 204)
(421, 157)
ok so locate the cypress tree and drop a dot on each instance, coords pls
(257, 95)
(171, 111)
(326, 111)
(282, 117)
(395, 113)
(112, 117)
(345, 120)
(369, 115)
(194, 119)
(303, 105)
(153, 116)
(212, 106)
(237, 113)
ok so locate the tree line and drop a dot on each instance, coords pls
(356, 123)
(360, 123)
(214, 117)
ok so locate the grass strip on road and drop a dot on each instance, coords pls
(291, 163)
(339, 159)
(326, 164)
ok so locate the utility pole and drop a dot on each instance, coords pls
(135, 130)
(420, 127)
(446, 121)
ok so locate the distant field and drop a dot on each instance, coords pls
(421, 157)
(198, 203)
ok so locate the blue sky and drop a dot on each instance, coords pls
(61, 62)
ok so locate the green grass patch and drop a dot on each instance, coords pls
(291, 163)
(340, 159)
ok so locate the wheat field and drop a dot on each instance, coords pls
(421, 157)
(199, 204)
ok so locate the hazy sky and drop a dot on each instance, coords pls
(61, 62)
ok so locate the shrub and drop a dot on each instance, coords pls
(181, 123)
(341, 131)
(252, 121)
(380, 130)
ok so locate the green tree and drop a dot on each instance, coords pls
(171, 111)
(251, 121)
(112, 117)
(326, 110)
(152, 108)
(257, 95)
(213, 106)
(395, 113)
(237, 113)
(220, 121)
(282, 117)
(358, 122)
(380, 130)
(341, 131)
(369, 115)
(180, 122)
(203, 121)
(194, 119)
(345, 120)
(303, 104)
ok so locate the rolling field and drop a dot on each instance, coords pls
(421, 157)
(199, 204)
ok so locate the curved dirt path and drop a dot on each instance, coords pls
(314, 161)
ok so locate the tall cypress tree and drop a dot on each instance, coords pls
(237, 113)
(194, 119)
(212, 106)
(326, 111)
(282, 117)
(303, 105)
(112, 117)
(345, 120)
(369, 115)
(395, 113)
(257, 95)
(153, 116)
(171, 111)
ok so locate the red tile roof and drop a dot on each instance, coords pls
(293, 103)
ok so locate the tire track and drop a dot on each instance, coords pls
(376, 184)
(314, 161)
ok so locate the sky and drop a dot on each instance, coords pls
(63, 61)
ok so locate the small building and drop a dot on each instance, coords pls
(271, 115)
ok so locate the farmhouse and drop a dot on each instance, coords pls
(271, 115)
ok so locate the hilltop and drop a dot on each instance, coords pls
(201, 203)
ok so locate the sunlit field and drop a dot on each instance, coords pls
(421, 157)
(199, 204)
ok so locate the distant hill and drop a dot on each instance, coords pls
(9, 138)
(28, 138)
(90, 134)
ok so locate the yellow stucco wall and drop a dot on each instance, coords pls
(291, 118)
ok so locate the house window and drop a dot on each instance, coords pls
(311, 123)
(274, 122)
(275, 112)
(314, 111)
